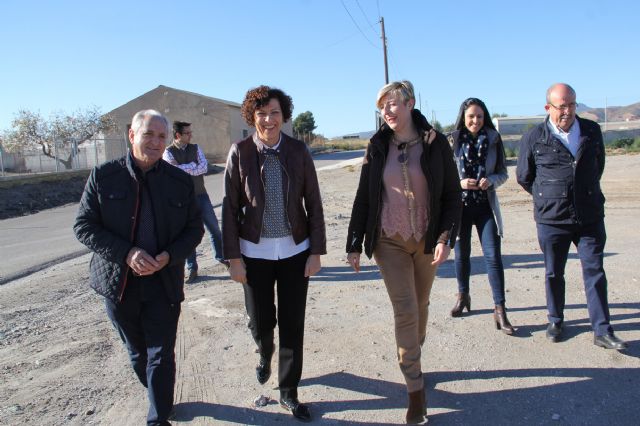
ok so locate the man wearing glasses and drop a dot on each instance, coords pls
(190, 158)
(560, 163)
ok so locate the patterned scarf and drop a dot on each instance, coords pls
(473, 154)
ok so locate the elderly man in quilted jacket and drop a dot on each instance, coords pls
(139, 216)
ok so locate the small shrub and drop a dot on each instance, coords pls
(511, 152)
(622, 143)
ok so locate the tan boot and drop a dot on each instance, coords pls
(463, 301)
(416, 413)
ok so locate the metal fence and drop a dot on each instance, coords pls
(69, 156)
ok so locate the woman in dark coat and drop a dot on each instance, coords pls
(406, 213)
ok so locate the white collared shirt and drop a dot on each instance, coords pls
(272, 248)
(570, 139)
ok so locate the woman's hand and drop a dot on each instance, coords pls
(484, 184)
(353, 259)
(440, 254)
(312, 266)
(470, 184)
(238, 270)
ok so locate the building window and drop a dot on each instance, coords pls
(245, 133)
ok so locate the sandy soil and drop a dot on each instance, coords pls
(62, 363)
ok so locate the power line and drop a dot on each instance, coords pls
(366, 18)
(356, 24)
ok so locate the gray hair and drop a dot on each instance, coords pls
(402, 89)
(148, 114)
(553, 86)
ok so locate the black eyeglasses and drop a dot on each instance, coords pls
(566, 107)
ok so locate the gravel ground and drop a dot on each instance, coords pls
(61, 362)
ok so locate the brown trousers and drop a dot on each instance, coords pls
(408, 275)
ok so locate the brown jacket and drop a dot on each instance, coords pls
(244, 197)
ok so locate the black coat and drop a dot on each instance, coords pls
(441, 174)
(566, 190)
(107, 219)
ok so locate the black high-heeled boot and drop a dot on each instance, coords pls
(501, 320)
(463, 301)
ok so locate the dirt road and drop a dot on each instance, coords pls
(62, 363)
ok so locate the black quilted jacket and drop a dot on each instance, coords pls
(107, 218)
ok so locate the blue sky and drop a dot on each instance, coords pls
(64, 55)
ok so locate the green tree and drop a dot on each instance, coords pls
(436, 125)
(30, 130)
(449, 128)
(304, 123)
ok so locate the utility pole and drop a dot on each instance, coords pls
(384, 50)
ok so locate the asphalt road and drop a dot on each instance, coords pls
(32, 243)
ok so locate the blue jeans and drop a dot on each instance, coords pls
(211, 224)
(482, 216)
(555, 241)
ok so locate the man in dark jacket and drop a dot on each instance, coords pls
(140, 218)
(560, 163)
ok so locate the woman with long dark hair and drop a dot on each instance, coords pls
(479, 154)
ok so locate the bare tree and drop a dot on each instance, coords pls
(30, 130)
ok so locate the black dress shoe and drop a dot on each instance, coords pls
(263, 370)
(609, 341)
(554, 331)
(299, 410)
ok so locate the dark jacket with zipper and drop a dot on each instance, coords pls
(108, 216)
(244, 195)
(566, 190)
(445, 205)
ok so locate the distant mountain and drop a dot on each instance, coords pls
(359, 135)
(614, 113)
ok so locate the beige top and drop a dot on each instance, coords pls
(405, 195)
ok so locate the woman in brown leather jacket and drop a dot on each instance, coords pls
(273, 231)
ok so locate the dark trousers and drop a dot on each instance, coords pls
(481, 216)
(555, 241)
(147, 324)
(292, 300)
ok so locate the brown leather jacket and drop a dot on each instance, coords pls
(244, 198)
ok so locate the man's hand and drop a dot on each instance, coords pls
(144, 264)
(163, 259)
(440, 254)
